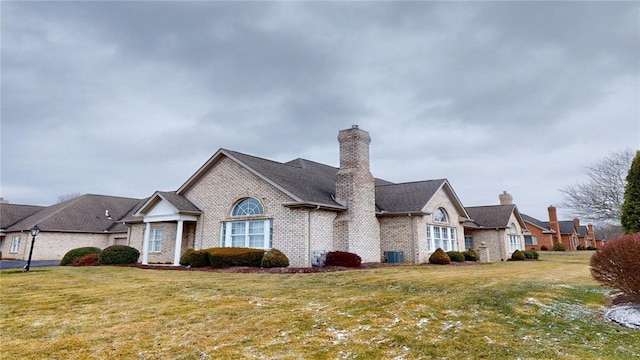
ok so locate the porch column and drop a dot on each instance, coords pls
(145, 244)
(176, 256)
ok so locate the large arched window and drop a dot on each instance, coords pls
(440, 215)
(514, 238)
(255, 233)
(247, 207)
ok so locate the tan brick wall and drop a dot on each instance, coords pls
(398, 233)
(52, 245)
(442, 200)
(225, 184)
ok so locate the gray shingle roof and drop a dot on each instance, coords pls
(86, 213)
(491, 216)
(180, 202)
(566, 227)
(406, 197)
(533, 221)
(11, 214)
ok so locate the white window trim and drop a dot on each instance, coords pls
(450, 243)
(227, 239)
(15, 244)
(514, 243)
(156, 236)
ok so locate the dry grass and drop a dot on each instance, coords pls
(549, 309)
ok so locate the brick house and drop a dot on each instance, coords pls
(88, 220)
(300, 207)
(498, 228)
(569, 233)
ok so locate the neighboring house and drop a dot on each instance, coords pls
(541, 234)
(569, 233)
(88, 220)
(11, 214)
(500, 228)
(302, 208)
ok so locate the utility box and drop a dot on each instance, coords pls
(394, 257)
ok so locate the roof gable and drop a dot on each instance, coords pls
(167, 202)
(11, 214)
(412, 197)
(495, 216)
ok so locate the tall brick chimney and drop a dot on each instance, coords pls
(505, 198)
(591, 236)
(553, 224)
(357, 230)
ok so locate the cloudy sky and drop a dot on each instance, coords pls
(125, 98)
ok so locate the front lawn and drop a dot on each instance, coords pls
(547, 309)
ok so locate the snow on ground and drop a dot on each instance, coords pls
(627, 315)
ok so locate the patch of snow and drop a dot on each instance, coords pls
(627, 315)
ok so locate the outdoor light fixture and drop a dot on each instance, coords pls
(35, 230)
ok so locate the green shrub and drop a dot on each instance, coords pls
(74, 254)
(591, 248)
(227, 257)
(439, 257)
(455, 256)
(119, 254)
(518, 256)
(544, 248)
(617, 265)
(274, 258)
(580, 247)
(195, 258)
(471, 255)
(559, 247)
(531, 254)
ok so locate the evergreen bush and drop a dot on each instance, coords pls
(544, 248)
(195, 258)
(580, 247)
(119, 254)
(471, 255)
(617, 265)
(343, 258)
(274, 258)
(531, 254)
(559, 247)
(518, 256)
(233, 256)
(439, 257)
(74, 254)
(456, 256)
(591, 248)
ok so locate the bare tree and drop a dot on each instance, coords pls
(65, 197)
(600, 198)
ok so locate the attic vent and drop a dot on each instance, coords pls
(106, 213)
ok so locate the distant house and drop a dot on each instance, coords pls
(88, 220)
(569, 233)
(500, 228)
(302, 208)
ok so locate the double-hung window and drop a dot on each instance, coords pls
(155, 239)
(250, 233)
(15, 244)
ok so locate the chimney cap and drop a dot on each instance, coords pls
(354, 126)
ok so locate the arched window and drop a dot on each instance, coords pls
(252, 233)
(247, 207)
(513, 229)
(440, 215)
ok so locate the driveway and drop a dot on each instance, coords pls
(14, 264)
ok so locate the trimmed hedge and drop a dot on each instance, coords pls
(439, 257)
(195, 258)
(456, 256)
(274, 258)
(518, 256)
(343, 258)
(227, 257)
(74, 254)
(471, 255)
(119, 254)
(531, 254)
(559, 247)
(617, 265)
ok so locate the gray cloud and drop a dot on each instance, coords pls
(124, 98)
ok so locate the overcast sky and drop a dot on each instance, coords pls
(125, 98)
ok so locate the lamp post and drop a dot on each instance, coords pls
(35, 230)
